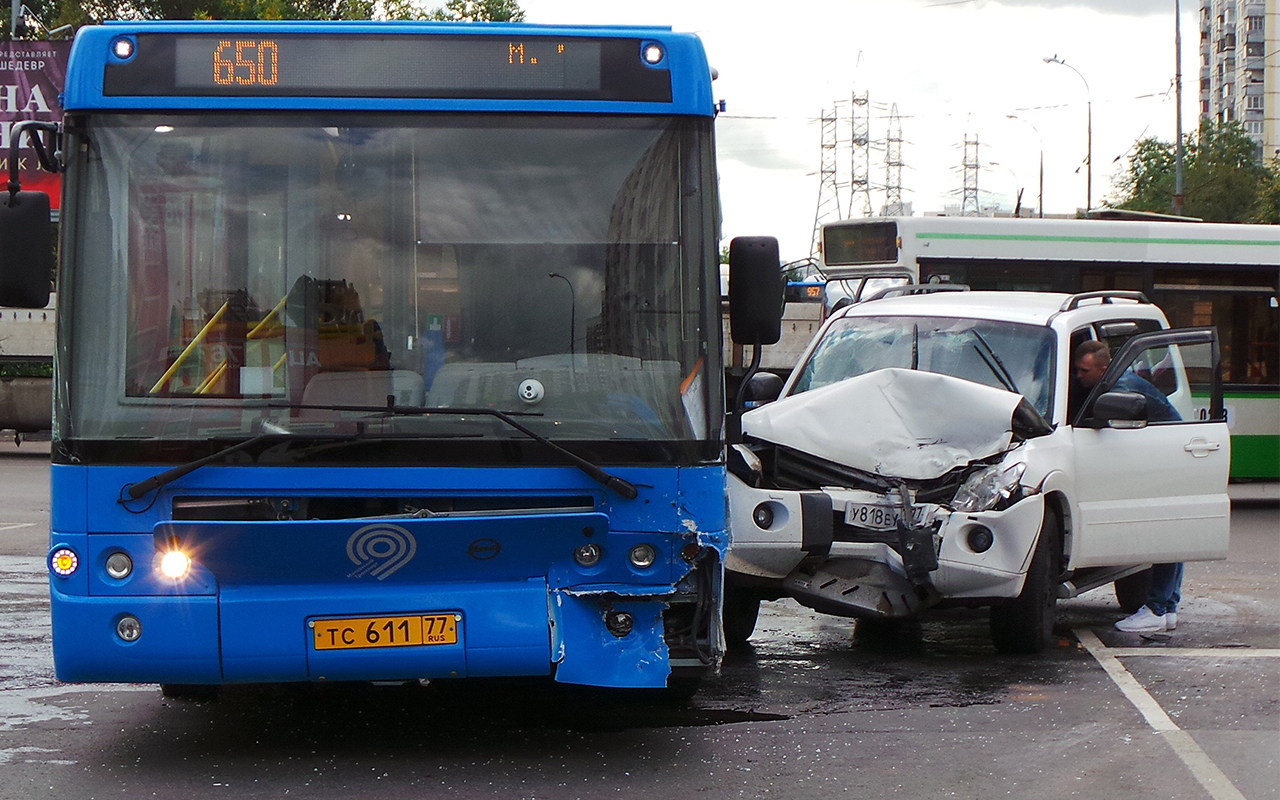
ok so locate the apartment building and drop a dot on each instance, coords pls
(1240, 67)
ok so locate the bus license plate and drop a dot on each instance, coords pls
(367, 632)
(873, 517)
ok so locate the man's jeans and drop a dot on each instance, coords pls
(1166, 588)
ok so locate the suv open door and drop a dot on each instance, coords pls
(1152, 455)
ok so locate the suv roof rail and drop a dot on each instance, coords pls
(1106, 296)
(917, 288)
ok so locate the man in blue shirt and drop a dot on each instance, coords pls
(1091, 360)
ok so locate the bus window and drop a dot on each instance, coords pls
(1241, 305)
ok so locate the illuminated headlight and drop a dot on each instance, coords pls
(588, 555)
(63, 562)
(642, 556)
(175, 564)
(652, 53)
(989, 487)
(119, 565)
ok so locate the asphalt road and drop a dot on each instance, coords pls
(811, 709)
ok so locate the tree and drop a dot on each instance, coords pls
(1223, 179)
(480, 11)
(55, 13)
(1268, 208)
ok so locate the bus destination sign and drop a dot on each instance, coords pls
(331, 65)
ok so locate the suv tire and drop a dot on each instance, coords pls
(1025, 624)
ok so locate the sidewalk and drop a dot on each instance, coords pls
(1255, 493)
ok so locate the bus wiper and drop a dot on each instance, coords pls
(623, 487)
(266, 430)
(997, 368)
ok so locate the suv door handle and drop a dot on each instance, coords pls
(1201, 447)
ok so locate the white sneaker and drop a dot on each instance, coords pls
(1171, 620)
(1145, 621)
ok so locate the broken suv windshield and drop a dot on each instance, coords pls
(1004, 355)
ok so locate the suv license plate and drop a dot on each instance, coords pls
(872, 517)
(368, 632)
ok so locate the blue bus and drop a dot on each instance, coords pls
(385, 352)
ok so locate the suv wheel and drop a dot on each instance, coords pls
(741, 609)
(1025, 624)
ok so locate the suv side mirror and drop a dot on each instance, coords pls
(755, 290)
(1121, 409)
(764, 387)
(26, 258)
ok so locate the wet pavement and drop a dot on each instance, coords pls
(813, 707)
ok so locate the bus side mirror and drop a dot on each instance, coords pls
(26, 257)
(755, 290)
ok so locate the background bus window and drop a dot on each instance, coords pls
(1243, 307)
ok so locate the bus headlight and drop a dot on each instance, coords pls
(175, 564)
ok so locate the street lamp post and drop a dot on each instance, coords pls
(1089, 121)
(573, 309)
(1017, 187)
(1040, 198)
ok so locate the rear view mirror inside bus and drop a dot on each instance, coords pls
(26, 259)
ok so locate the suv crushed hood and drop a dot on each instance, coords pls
(899, 423)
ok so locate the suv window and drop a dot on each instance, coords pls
(1005, 355)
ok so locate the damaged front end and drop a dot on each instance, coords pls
(857, 503)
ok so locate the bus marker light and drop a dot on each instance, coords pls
(652, 53)
(642, 556)
(175, 564)
(64, 561)
(119, 565)
(122, 49)
(588, 555)
(129, 629)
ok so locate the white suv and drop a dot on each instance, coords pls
(935, 449)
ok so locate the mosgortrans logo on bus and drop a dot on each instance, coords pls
(379, 550)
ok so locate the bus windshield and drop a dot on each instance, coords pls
(232, 263)
(1010, 356)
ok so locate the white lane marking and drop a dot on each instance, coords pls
(1214, 781)
(1227, 653)
(15, 525)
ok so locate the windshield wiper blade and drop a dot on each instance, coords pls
(619, 485)
(267, 430)
(1002, 374)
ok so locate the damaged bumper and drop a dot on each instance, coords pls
(865, 554)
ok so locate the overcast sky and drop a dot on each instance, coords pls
(953, 68)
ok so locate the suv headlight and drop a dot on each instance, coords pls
(989, 487)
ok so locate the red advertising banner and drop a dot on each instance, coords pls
(31, 78)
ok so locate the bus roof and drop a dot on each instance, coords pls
(387, 66)
(903, 240)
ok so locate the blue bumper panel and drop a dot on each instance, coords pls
(179, 641)
(503, 631)
(591, 655)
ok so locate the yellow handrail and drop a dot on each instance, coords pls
(195, 342)
(221, 369)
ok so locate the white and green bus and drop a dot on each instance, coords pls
(1201, 274)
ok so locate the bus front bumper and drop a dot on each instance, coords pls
(605, 635)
